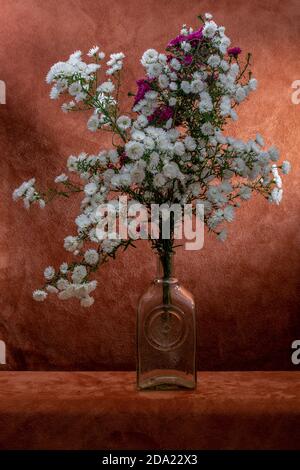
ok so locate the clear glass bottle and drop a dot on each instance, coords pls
(166, 333)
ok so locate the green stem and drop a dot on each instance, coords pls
(166, 262)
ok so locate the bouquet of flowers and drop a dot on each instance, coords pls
(168, 149)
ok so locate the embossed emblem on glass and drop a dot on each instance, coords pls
(165, 328)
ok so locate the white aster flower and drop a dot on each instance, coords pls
(185, 46)
(224, 65)
(79, 273)
(134, 150)
(276, 176)
(92, 68)
(93, 51)
(179, 148)
(162, 58)
(214, 60)
(224, 44)
(195, 189)
(90, 189)
(39, 295)
(285, 167)
(273, 153)
(142, 121)
(234, 70)
(276, 195)
(149, 57)
(21, 190)
(91, 257)
(75, 88)
(154, 70)
(149, 143)
(54, 93)
(229, 213)
(49, 273)
(245, 193)
(173, 134)
(151, 95)
(114, 69)
(123, 122)
(159, 180)
(72, 163)
(171, 170)
(67, 293)
(207, 128)
(51, 289)
(175, 64)
(253, 84)
(197, 86)
(240, 94)
(64, 268)
(259, 139)
(87, 301)
(115, 58)
(186, 87)
(173, 86)
(93, 123)
(62, 284)
(71, 243)
(82, 221)
(222, 235)
(209, 29)
(206, 103)
(113, 156)
(137, 135)
(61, 178)
(67, 107)
(75, 57)
(190, 143)
(106, 87)
(109, 244)
(215, 219)
(137, 174)
(154, 160)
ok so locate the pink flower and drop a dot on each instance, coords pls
(194, 37)
(143, 86)
(188, 59)
(234, 51)
(161, 114)
(123, 159)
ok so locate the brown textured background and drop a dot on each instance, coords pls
(245, 290)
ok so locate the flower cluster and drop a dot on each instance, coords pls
(170, 148)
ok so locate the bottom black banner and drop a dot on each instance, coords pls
(136, 459)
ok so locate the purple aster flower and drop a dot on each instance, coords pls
(161, 114)
(188, 59)
(166, 113)
(176, 41)
(143, 87)
(123, 159)
(193, 37)
(234, 51)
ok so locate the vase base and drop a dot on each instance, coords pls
(166, 380)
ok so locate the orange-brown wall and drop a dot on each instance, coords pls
(245, 290)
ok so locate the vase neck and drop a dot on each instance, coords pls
(165, 266)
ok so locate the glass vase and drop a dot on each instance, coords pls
(166, 333)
